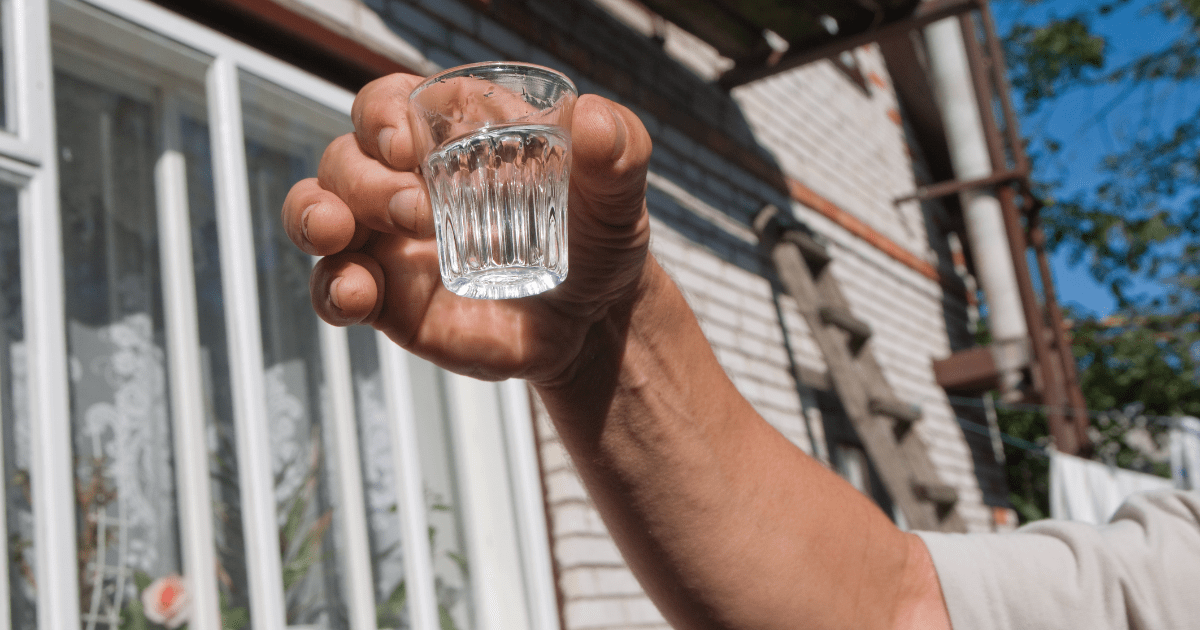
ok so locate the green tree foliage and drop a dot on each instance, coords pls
(1051, 57)
(1139, 224)
(1150, 360)
(1142, 220)
(1141, 370)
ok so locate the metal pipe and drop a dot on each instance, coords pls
(954, 187)
(1003, 89)
(1078, 406)
(1064, 435)
(1069, 380)
(983, 215)
(981, 69)
(1052, 367)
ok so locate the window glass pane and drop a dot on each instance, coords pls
(15, 417)
(285, 135)
(380, 488)
(127, 518)
(116, 85)
(451, 563)
(214, 351)
(852, 466)
(450, 560)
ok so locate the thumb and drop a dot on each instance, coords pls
(611, 151)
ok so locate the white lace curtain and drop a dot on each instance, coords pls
(128, 529)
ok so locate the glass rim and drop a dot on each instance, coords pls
(467, 69)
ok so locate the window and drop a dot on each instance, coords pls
(121, 427)
(851, 462)
(171, 406)
(26, 184)
(18, 506)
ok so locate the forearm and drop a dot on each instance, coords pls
(725, 522)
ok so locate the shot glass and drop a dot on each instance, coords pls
(494, 141)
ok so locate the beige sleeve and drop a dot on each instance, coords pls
(1141, 571)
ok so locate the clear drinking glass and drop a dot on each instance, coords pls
(495, 145)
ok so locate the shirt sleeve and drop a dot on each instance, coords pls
(1139, 572)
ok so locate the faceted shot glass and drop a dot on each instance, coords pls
(494, 141)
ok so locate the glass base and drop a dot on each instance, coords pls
(503, 283)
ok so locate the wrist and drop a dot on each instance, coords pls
(603, 350)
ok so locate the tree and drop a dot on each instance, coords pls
(1138, 224)
(1142, 221)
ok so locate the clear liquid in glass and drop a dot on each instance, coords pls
(500, 210)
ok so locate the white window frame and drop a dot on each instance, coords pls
(521, 564)
(27, 151)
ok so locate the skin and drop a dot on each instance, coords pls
(725, 523)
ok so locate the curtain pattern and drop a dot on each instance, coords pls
(124, 473)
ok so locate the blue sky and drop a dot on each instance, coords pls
(1069, 119)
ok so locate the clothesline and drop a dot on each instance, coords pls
(1092, 413)
(1032, 447)
(1012, 440)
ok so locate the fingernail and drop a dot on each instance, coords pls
(304, 221)
(619, 131)
(333, 287)
(403, 205)
(385, 142)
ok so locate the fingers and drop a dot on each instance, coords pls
(346, 289)
(611, 151)
(488, 339)
(316, 220)
(380, 115)
(379, 197)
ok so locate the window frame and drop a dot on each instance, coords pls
(16, 176)
(28, 154)
(25, 39)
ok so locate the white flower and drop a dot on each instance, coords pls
(166, 601)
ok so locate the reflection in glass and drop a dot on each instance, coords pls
(434, 435)
(222, 438)
(124, 473)
(281, 150)
(14, 416)
(379, 480)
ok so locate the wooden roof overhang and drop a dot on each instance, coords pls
(750, 31)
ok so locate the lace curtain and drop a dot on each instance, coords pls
(297, 400)
(379, 480)
(220, 430)
(128, 530)
(124, 474)
(281, 150)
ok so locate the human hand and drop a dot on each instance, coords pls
(368, 213)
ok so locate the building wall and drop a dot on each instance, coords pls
(849, 145)
(718, 159)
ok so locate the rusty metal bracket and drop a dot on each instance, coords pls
(953, 187)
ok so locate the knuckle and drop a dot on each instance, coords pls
(333, 160)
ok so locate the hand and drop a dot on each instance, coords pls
(368, 213)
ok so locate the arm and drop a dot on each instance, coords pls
(725, 523)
